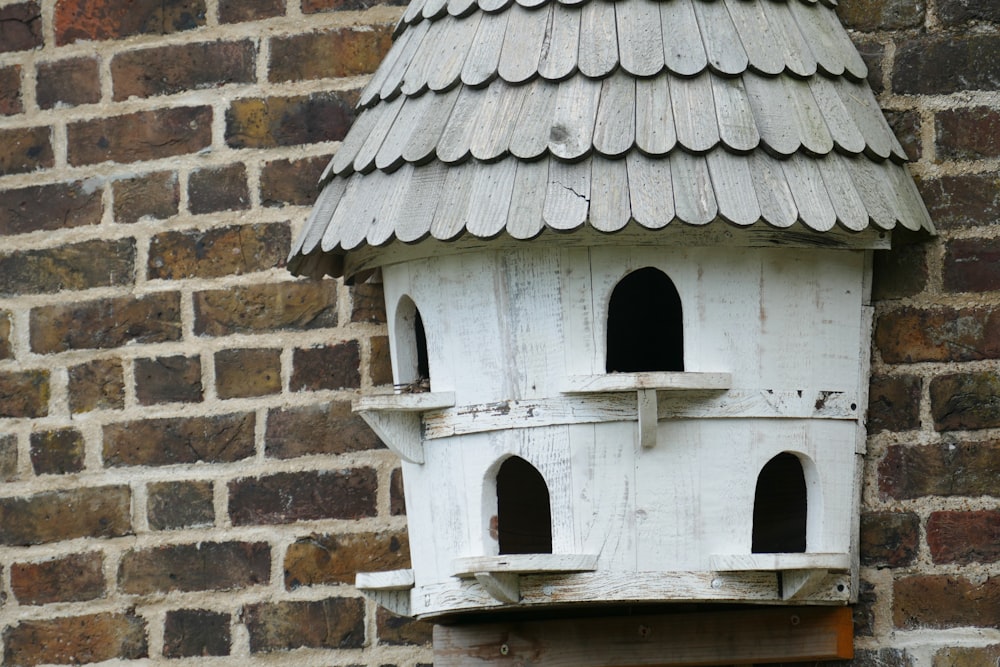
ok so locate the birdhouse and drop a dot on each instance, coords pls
(626, 250)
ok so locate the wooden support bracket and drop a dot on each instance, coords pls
(389, 589)
(395, 418)
(646, 407)
(741, 637)
(800, 583)
(503, 587)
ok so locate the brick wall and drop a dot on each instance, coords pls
(182, 474)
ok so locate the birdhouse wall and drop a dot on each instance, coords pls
(505, 332)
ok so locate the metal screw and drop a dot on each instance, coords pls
(795, 620)
(644, 631)
(504, 649)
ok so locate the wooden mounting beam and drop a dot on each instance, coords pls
(740, 637)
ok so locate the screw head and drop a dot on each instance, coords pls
(504, 649)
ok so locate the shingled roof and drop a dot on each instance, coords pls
(492, 117)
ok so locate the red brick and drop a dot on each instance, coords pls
(168, 380)
(75, 639)
(954, 12)
(368, 303)
(184, 504)
(218, 189)
(206, 566)
(329, 54)
(379, 363)
(327, 367)
(10, 91)
(945, 602)
(963, 201)
(872, 15)
(96, 385)
(144, 135)
(173, 440)
(328, 428)
(195, 632)
(864, 610)
(57, 452)
(330, 623)
(906, 126)
(894, 403)
(69, 267)
(332, 559)
(8, 457)
(221, 251)
(266, 307)
(24, 393)
(246, 373)
(313, 6)
(238, 11)
(964, 537)
(48, 207)
(397, 499)
(967, 134)
(150, 319)
(943, 64)
(73, 578)
(967, 656)
(900, 272)
(291, 181)
(946, 469)
(156, 195)
(303, 496)
(20, 27)
(972, 265)
(78, 20)
(174, 69)
(396, 630)
(54, 516)
(25, 149)
(872, 52)
(909, 335)
(964, 401)
(288, 121)
(889, 539)
(6, 349)
(68, 82)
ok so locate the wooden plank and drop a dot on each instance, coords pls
(683, 51)
(433, 9)
(811, 198)
(503, 588)
(530, 137)
(722, 43)
(731, 637)
(854, 64)
(452, 213)
(586, 384)
(462, 7)
(758, 39)
(798, 57)
(571, 132)
(319, 217)
(797, 584)
(343, 161)
(734, 115)
(398, 602)
(829, 53)
(694, 197)
(834, 562)
(456, 137)
(761, 404)
(868, 180)
(812, 131)
(364, 161)
(614, 131)
(558, 60)
(421, 201)
(911, 204)
(425, 59)
(423, 140)
(491, 6)
(498, 115)
(838, 120)
(341, 215)
(455, 51)
(389, 580)
(490, 198)
(523, 564)
(362, 214)
(400, 431)
(567, 199)
(394, 77)
(391, 214)
(847, 202)
(694, 113)
(484, 56)
(771, 103)
(654, 116)
(598, 50)
(860, 103)
(734, 188)
(777, 205)
(610, 209)
(418, 402)
(408, 121)
(640, 43)
(524, 217)
(650, 190)
(522, 44)
(646, 409)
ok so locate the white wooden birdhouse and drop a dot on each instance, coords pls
(626, 251)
